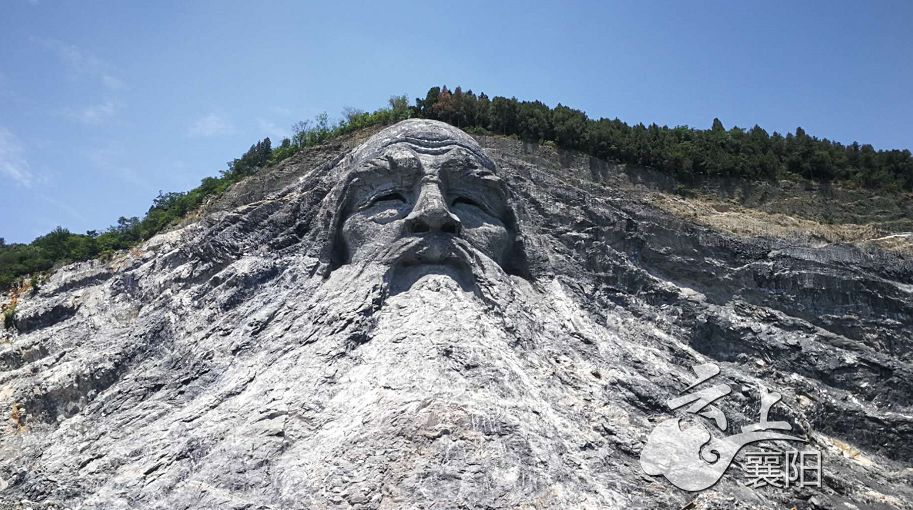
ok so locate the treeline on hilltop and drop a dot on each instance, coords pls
(681, 151)
(684, 152)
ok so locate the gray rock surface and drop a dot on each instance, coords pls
(418, 322)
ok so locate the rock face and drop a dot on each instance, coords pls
(427, 320)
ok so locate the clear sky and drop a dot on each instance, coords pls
(103, 104)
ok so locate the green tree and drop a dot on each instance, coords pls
(570, 127)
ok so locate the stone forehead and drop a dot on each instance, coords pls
(428, 136)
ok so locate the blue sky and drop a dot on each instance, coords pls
(103, 104)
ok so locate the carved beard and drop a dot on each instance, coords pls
(406, 368)
(414, 258)
(410, 260)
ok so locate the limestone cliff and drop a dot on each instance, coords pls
(421, 319)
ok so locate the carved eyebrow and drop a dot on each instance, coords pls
(390, 160)
(403, 158)
(480, 163)
(383, 173)
(457, 172)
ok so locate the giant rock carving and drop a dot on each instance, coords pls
(423, 196)
(424, 319)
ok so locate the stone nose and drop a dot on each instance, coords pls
(431, 213)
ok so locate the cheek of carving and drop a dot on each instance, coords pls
(366, 237)
(491, 239)
(386, 216)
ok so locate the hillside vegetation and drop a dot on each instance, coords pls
(684, 152)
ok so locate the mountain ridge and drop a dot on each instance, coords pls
(685, 153)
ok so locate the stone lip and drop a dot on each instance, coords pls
(224, 365)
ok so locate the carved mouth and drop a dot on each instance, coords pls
(434, 249)
(440, 254)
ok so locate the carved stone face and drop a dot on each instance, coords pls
(414, 201)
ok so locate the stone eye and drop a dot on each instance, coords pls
(467, 201)
(391, 196)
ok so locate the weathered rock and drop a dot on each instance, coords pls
(420, 323)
